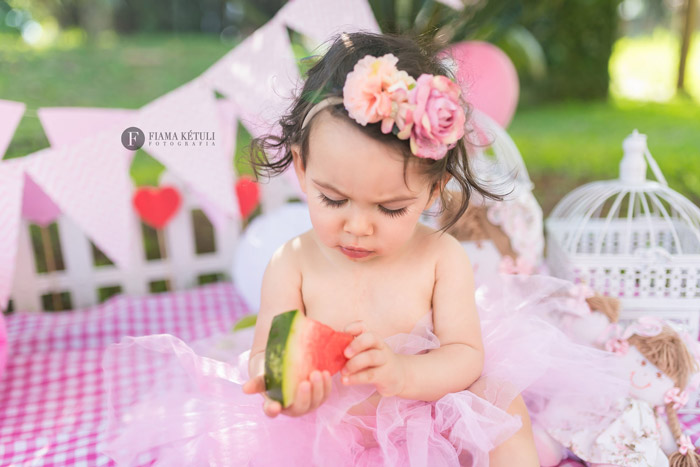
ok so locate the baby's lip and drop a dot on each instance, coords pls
(354, 248)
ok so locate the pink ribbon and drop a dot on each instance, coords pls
(685, 445)
(678, 397)
(617, 345)
(646, 326)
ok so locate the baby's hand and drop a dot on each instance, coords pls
(310, 394)
(371, 361)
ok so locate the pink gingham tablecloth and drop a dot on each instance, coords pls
(52, 402)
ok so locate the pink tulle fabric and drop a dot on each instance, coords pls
(177, 404)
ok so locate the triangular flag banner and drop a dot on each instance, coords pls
(213, 213)
(37, 207)
(182, 131)
(259, 75)
(67, 125)
(11, 178)
(321, 19)
(228, 124)
(10, 114)
(89, 181)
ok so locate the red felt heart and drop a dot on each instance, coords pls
(157, 206)
(248, 195)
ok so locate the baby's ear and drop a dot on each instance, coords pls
(299, 168)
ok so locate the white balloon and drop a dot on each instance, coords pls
(259, 241)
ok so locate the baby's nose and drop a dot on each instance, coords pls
(359, 224)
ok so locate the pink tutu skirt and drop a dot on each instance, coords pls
(177, 404)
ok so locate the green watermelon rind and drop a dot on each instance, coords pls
(280, 354)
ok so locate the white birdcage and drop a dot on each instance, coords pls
(631, 238)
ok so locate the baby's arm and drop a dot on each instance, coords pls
(458, 362)
(281, 291)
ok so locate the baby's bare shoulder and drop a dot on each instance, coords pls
(440, 244)
(289, 251)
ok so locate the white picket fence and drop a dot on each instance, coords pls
(82, 279)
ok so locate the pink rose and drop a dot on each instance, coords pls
(438, 118)
(374, 89)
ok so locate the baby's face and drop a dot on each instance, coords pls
(356, 192)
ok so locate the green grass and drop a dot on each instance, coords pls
(567, 144)
(563, 144)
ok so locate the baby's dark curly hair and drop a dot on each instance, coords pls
(416, 55)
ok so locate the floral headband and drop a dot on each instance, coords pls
(426, 110)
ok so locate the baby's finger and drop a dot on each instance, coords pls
(301, 401)
(316, 389)
(361, 377)
(254, 385)
(272, 408)
(367, 359)
(356, 328)
(364, 341)
(327, 385)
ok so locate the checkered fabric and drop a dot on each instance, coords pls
(690, 423)
(52, 401)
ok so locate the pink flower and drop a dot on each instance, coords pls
(678, 397)
(437, 119)
(374, 89)
(617, 345)
(685, 445)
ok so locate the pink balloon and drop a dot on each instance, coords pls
(488, 79)
(37, 207)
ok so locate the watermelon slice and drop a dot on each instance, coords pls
(296, 346)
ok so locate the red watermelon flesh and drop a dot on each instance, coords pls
(325, 347)
(296, 346)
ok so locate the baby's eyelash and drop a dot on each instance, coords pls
(393, 212)
(331, 202)
(336, 204)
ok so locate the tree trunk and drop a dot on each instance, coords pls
(685, 44)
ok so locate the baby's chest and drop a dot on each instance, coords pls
(387, 305)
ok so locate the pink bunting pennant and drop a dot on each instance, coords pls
(89, 181)
(67, 125)
(259, 75)
(10, 114)
(321, 19)
(228, 124)
(11, 180)
(37, 207)
(182, 131)
(214, 214)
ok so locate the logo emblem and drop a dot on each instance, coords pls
(133, 138)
